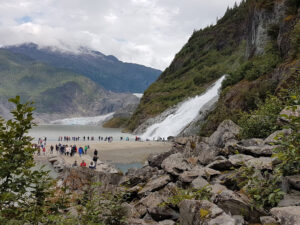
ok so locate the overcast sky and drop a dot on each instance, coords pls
(148, 32)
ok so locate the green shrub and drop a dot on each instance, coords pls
(289, 150)
(265, 190)
(182, 194)
(261, 122)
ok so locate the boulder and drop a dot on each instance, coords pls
(189, 176)
(141, 222)
(153, 200)
(268, 220)
(199, 183)
(131, 210)
(288, 113)
(226, 131)
(237, 204)
(163, 213)
(216, 189)
(167, 222)
(155, 184)
(175, 164)
(155, 160)
(194, 212)
(221, 165)
(239, 159)
(238, 220)
(294, 181)
(287, 215)
(206, 153)
(290, 199)
(137, 176)
(275, 137)
(261, 163)
(251, 142)
(256, 151)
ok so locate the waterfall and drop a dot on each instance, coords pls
(185, 113)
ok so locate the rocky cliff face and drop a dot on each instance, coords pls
(250, 43)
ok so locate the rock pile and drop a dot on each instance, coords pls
(196, 162)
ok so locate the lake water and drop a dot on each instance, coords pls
(52, 132)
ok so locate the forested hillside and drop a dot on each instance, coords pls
(256, 43)
(106, 71)
(54, 90)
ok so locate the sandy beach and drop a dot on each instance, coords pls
(124, 152)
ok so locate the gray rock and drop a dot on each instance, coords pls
(226, 131)
(189, 176)
(291, 199)
(223, 164)
(199, 183)
(155, 160)
(237, 204)
(131, 210)
(238, 220)
(208, 173)
(193, 212)
(137, 176)
(294, 181)
(141, 222)
(153, 200)
(287, 215)
(288, 113)
(256, 151)
(163, 213)
(155, 184)
(175, 164)
(261, 163)
(206, 153)
(267, 220)
(275, 137)
(251, 142)
(216, 189)
(167, 222)
(239, 159)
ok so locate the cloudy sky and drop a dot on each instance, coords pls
(148, 32)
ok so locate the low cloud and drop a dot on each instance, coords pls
(148, 32)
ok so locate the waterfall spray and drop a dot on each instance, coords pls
(185, 113)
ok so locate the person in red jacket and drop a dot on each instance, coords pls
(83, 164)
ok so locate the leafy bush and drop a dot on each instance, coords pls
(182, 194)
(265, 190)
(261, 122)
(289, 150)
(23, 190)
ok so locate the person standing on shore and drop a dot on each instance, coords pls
(83, 164)
(51, 149)
(80, 151)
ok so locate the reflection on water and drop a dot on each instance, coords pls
(52, 132)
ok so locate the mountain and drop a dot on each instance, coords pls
(106, 71)
(54, 91)
(255, 43)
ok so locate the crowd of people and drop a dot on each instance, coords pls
(89, 138)
(69, 150)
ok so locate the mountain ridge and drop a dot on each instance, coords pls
(55, 91)
(107, 71)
